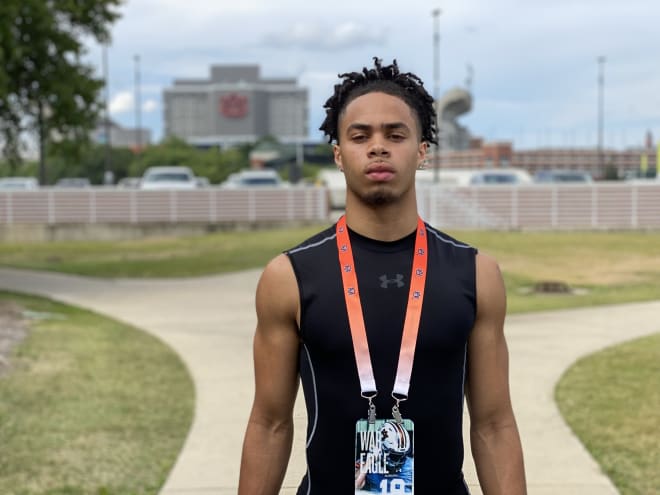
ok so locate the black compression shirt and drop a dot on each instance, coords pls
(327, 363)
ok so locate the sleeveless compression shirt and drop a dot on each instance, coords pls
(327, 363)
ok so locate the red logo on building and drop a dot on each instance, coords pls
(234, 106)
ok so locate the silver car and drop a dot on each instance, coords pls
(158, 178)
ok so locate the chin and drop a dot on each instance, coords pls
(379, 198)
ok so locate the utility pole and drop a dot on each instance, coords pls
(601, 83)
(436, 88)
(138, 104)
(299, 133)
(107, 168)
(469, 78)
(300, 138)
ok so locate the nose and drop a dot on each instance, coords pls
(377, 147)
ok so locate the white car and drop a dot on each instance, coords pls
(159, 178)
(506, 176)
(546, 176)
(18, 184)
(472, 177)
(253, 178)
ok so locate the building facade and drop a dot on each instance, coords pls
(235, 105)
(623, 163)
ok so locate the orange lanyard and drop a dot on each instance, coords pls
(356, 317)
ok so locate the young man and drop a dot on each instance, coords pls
(388, 322)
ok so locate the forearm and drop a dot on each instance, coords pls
(499, 460)
(266, 452)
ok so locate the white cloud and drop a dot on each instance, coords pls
(150, 106)
(122, 102)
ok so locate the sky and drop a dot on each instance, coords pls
(533, 63)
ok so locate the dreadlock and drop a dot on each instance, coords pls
(386, 79)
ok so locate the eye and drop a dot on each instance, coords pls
(397, 136)
(358, 138)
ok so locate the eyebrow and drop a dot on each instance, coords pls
(390, 126)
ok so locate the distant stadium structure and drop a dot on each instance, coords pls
(454, 103)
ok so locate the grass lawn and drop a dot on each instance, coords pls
(156, 257)
(606, 267)
(611, 399)
(90, 406)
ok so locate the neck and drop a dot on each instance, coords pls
(382, 223)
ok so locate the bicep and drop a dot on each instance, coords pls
(276, 342)
(488, 359)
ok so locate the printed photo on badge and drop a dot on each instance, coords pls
(384, 457)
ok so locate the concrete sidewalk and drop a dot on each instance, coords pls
(209, 321)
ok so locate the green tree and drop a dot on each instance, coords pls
(214, 164)
(45, 88)
(75, 159)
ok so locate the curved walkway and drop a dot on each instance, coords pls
(209, 321)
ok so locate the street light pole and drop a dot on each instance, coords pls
(601, 83)
(138, 104)
(107, 168)
(436, 88)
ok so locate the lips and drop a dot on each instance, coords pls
(380, 172)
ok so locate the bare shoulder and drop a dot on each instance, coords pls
(278, 270)
(491, 293)
(487, 267)
(277, 291)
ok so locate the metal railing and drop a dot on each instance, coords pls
(208, 205)
(544, 206)
(552, 206)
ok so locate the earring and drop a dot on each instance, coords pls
(422, 165)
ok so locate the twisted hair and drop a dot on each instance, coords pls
(385, 79)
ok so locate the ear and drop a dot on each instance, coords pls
(421, 151)
(336, 151)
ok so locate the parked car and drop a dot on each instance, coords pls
(545, 176)
(129, 183)
(18, 184)
(253, 178)
(500, 176)
(472, 177)
(158, 178)
(73, 182)
(203, 181)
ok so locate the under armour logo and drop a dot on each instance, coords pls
(417, 294)
(385, 282)
(351, 291)
(344, 248)
(347, 268)
(419, 272)
(420, 251)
